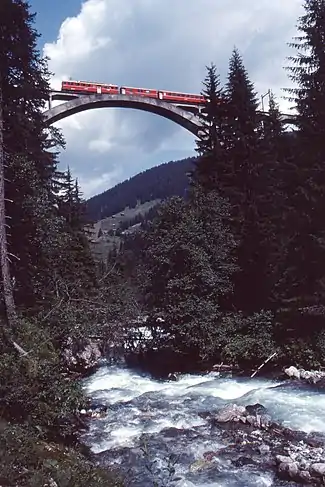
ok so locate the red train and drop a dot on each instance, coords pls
(84, 87)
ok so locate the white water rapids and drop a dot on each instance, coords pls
(153, 424)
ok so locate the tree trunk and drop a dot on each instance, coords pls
(8, 297)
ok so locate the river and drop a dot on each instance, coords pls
(157, 431)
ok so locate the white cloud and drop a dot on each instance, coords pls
(99, 145)
(148, 43)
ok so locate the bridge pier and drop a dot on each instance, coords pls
(50, 101)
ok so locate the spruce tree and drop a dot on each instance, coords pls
(210, 142)
(29, 164)
(241, 182)
(302, 285)
(273, 202)
(41, 233)
(241, 138)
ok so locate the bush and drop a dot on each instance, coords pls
(28, 461)
(246, 340)
(35, 388)
(301, 353)
(38, 406)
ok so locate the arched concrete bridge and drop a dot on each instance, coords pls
(183, 117)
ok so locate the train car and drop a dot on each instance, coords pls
(128, 90)
(85, 87)
(175, 96)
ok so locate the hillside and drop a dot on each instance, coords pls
(121, 209)
(156, 183)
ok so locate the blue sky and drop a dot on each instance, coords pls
(51, 14)
(153, 44)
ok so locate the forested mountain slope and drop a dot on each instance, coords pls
(160, 182)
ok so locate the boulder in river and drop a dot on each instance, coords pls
(310, 376)
(254, 415)
(82, 355)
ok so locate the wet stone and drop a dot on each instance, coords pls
(288, 469)
(229, 413)
(241, 461)
(317, 469)
(256, 409)
(264, 449)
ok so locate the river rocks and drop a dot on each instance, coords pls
(231, 412)
(99, 412)
(318, 469)
(310, 376)
(299, 465)
(51, 483)
(173, 376)
(82, 355)
(296, 456)
(288, 470)
(264, 449)
(251, 415)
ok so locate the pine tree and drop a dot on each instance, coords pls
(210, 142)
(241, 182)
(241, 137)
(302, 285)
(308, 73)
(273, 202)
(273, 129)
(29, 164)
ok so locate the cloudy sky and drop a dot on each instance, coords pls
(153, 44)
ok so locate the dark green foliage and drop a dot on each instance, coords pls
(273, 177)
(26, 460)
(210, 144)
(239, 174)
(246, 340)
(188, 256)
(245, 178)
(302, 283)
(30, 165)
(308, 73)
(230, 161)
(32, 388)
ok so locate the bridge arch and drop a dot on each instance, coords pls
(184, 118)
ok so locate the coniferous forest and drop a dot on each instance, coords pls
(234, 270)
